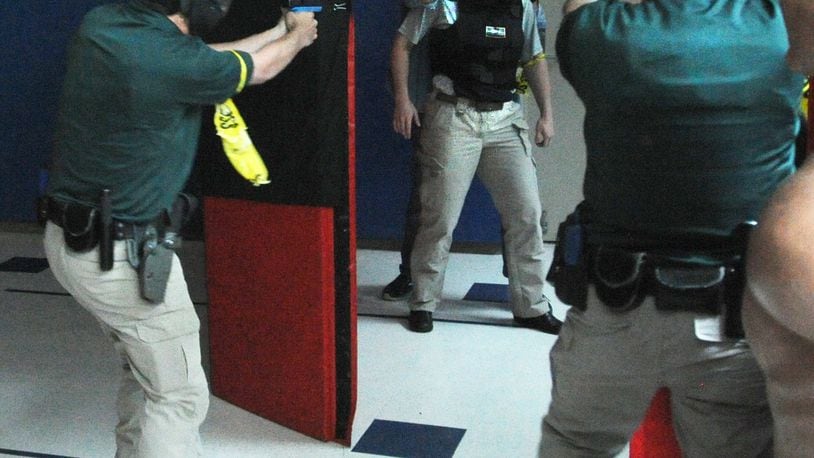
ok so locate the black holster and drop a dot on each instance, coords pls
(156, 249)
(155, 264)
(569, 269)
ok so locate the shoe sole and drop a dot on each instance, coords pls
(553, 332)
(425, 326)
(422, 330)
(390, 298)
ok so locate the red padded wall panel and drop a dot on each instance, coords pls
(352, 294)
(656, 437)
(270, 272)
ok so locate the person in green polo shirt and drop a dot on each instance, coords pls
(138, 77)
(690, 125)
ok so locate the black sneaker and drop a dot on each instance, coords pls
(547, 323)
(420, 321)
(398, 289)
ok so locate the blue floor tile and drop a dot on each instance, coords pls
(29, 454)
(488, 292)
(409, 440)
(26, 265)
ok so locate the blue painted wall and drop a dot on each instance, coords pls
(35, 34)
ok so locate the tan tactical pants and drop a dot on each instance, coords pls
(606, 366)
(456, 143)
(164, 395)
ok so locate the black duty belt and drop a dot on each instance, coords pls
(56, 211)
(478, 106)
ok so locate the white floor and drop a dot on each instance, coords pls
(58, 373)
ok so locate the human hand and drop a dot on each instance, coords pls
(404, 115)
(303, 25)
(544, 131)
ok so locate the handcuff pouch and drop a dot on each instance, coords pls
(79, 225)
(618, 275)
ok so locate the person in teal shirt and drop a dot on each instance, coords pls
(137, 79)
(690, 125)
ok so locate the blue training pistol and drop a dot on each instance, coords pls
(300, 6)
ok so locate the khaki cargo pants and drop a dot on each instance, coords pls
(606, 366)
(164, 396)
(458, 142)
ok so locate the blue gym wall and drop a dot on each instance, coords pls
(35, 34)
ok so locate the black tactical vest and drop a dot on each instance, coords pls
(481, 51)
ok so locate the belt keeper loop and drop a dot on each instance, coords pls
(118, 228)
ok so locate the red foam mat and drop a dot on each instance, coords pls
(656, 437)
(270, 271)
(353, 291)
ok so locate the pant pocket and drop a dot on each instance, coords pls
(165, 350)
(522, 129)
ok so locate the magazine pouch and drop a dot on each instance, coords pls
(569, 272)
(689, 287)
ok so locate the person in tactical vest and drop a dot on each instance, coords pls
(138, 77)
(411, 86)
(474, 123)
(778, 311)
(688, 132)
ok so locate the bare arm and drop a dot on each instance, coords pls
(780, 260)
(799, 15)
(404, 113)
(275, 48)
(254, 43)
(540, 84)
